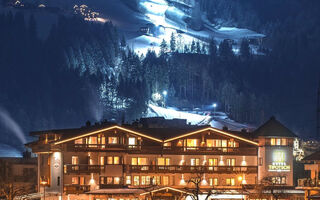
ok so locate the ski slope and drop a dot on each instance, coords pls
(219, 120)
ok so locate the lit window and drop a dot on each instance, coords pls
(134, 161)
(180, 142)
(232, 143)
(167, 144)
(128, 180)
(210, 143)
(116, 160)
(136, 180)
(164, 161)
(109, 180)
(213, 161)
(217, 143)
(143, 180)
(195, 161)
(75, 160)
(156, 180)
(213, 181)
(116, 180)
(101, 160)
(148, 180)
(284, 141)
(78, 141)
(278, 141)
(102, 180)
(132, 141)
(230, 181)
(110, 160)
(81, 180)
(165, 180)
(142, 161)
(224, 143)
(192, 142)
(273, 141)
(113, 160)
(103, 140)
(113, 140)
(75, 180)
(92, 140)
(231, 162)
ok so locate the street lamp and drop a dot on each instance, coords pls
(214, 109)
(44, 183)
(165, 93)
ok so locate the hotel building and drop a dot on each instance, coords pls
(168, 161)
(311, 185)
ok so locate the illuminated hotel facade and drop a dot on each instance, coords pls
(121, 162)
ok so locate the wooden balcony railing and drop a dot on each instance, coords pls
(161, 149)
(83, 168)
(190, 169)
(308, 182)
(76, 189)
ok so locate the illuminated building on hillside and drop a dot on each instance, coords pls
(147, 161)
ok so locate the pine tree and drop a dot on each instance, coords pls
(245, 51)
(198, 48)
(193, 47)
(173, 43)
(163, 47)
(225, 50)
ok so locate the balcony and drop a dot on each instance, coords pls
(83, 169)
(211, 150)
(309, 183)
(76, 189)
(164, 150)
(190, 169)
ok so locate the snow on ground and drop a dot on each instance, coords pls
(217, 120)
(193, 119)
(171, 20)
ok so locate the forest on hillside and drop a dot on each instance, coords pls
(86, 71)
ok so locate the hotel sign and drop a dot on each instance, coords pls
(279, 162)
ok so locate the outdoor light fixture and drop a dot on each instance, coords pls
(165, 93)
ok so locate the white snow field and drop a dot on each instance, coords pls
(219, 120)
(164, 17)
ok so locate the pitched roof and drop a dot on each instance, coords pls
(312, 157)
(273, 128)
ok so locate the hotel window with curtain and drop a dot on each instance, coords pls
(278, 141)
(163, 161)
(231, 162)
(230, 181)
(113, 140)
(139, 161)
(195, 161)
(192, 142)
(132, 141)
(113, 160)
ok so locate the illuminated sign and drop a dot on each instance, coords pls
(279, 162)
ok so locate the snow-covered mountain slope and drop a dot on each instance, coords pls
(146, 23)
(218, 120)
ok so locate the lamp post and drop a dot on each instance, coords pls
(165, 93)
(44, 183)
(214, 109)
